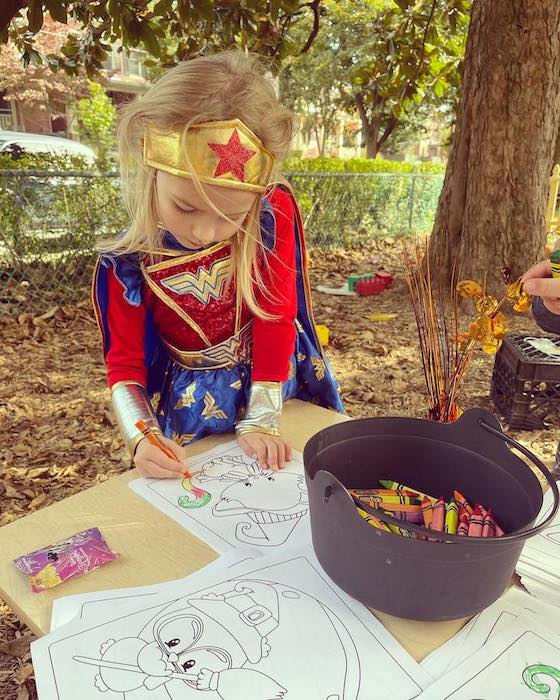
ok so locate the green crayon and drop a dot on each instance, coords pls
(555, 263)
(395, 486)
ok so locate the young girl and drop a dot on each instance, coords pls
(204, 302)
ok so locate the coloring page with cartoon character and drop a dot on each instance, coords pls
(522, 662)
(277, 629)
(230, 502)
(100, 604)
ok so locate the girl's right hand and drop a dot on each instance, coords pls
(152, 462)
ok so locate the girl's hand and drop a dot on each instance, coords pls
(151, 461)
(539, 282)
(270, 452)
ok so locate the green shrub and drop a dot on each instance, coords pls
(296, 163)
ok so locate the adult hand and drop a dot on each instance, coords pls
(538, 281)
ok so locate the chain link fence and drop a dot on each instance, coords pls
(49, 223)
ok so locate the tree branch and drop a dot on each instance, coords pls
(387, 132)
(8, 10)
(315, 29)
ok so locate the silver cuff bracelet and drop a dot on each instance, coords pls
(130, 404)
(263, 410)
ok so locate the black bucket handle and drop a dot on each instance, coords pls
(514, 537)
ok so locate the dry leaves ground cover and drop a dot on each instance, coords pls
(57, 435)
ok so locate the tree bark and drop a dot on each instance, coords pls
(8, 10)
(492, 207)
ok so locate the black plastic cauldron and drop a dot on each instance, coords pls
(421, 580)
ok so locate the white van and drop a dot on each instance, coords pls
(44, 143)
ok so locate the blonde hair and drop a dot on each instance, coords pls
(218, 87)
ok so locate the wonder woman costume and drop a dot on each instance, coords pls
(183, 353)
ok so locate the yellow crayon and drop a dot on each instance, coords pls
(451, 518)
(374, 522)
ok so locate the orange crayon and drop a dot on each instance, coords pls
(462, 501)
(149, 434)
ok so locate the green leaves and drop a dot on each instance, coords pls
(169, 30)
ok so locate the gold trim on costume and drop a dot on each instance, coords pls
(204, 284)
(174, 306)
(224, 153)
(185, 257)
(229, 353)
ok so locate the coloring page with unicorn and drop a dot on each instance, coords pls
(522, 662)
(230, 502)
(277, 629)
(98, 605)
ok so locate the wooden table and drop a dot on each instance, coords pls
(141, 533)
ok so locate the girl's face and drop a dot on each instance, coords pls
(185, 214)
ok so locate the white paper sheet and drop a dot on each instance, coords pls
(513, 665)
(231, 502)
(99, 604)
(278, 629)
(485, 625)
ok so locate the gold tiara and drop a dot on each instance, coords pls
(220, 153)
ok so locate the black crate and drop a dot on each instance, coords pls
(526, 381)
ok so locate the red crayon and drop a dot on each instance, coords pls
(475, 522)
(463, 528)
(427, 511)
(438, 515)
(499, 531)
(489, 525)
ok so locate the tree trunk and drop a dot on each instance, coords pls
(492, 207)
(372, 134)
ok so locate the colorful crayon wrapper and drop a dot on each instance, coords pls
(374, 522)
(409, 516)
(463, 529)
(401, 488)
(382, 492)
(376, 501)
(462, 501)
(438, 515)
(427, 511)
(476, 522)
(75, 556)
(451, 517)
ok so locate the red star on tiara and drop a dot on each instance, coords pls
(233, 156)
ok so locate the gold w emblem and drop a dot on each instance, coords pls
(211, 409)
(319, 367)
(182, 438)
(203, 284)
(186, 399)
